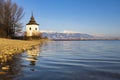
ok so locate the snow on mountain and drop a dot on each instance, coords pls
(66, 35)
(66, 31)
(47, 31)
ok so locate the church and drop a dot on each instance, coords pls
(32, 28)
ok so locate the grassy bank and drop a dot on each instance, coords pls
(9, 47)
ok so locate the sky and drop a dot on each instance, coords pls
(100, 17)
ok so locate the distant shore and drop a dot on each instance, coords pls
(85, 39)
(9, 47)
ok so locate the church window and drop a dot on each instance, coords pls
(30, 28)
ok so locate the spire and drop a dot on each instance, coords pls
(32, 20)
(32, 13)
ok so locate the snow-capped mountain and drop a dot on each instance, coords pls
(66, 35)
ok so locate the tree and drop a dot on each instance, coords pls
(1, 12)
(10, 16)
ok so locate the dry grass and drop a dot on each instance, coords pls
(9, 47)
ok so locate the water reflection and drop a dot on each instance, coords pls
(33, 54)
(65, 61)
(12, 66)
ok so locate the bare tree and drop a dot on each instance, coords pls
(10, 15)
(1, 12)
(2, 32)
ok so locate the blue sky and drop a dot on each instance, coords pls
(85, 16)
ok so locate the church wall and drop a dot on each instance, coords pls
(32, 30)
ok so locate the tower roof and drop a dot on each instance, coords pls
(32, 21)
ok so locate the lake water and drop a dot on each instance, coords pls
(65, 60)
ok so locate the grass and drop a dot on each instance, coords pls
(9, 47)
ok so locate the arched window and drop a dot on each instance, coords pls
(35, 28)
(30, 28)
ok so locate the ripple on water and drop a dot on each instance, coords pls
(69, 60)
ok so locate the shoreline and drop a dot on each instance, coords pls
(85, 39)
(11, 47)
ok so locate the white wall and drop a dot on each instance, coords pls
(33, 29)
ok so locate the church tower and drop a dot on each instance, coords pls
(32, 28)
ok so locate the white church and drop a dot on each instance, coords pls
(32, 28)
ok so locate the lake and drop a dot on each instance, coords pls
(65, 60)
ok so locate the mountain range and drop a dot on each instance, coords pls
(60, 35)
(74, 36)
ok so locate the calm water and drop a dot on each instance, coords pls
(65, 60)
